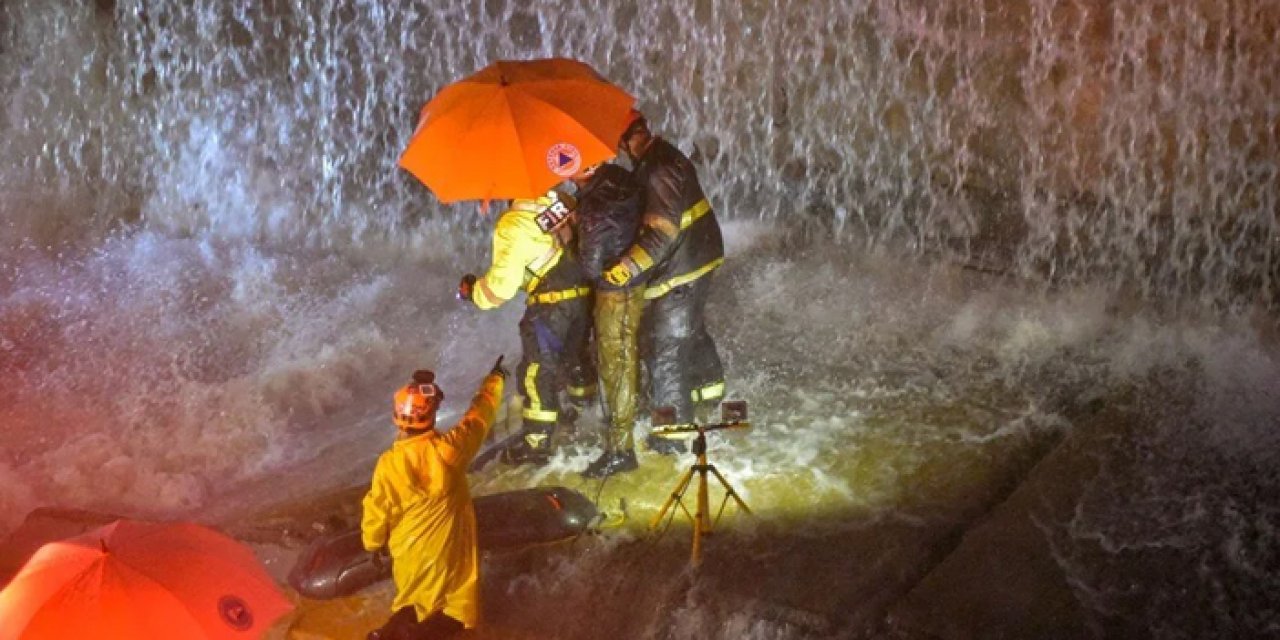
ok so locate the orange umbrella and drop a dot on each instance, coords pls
(138, 581)
(516, 128)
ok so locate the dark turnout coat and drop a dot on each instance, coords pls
(608, 220)
(679, 230)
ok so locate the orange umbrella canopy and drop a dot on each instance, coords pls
(515, 129)
(140, 581)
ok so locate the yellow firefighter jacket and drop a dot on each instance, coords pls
(419, 507)
(522, 254)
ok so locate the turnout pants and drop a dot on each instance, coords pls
(551, 337)
(684, 367)
(617, 327)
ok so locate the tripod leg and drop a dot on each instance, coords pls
(701, 523)
(729, 490)
(671, 499)
(704, 504)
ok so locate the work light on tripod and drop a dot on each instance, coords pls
(733, 415)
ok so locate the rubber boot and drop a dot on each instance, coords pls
(534, 448)
(611, 462)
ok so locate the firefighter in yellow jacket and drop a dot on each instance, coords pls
(529, 255)
(419, 509)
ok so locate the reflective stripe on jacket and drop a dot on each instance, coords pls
(679, 234)
(527, 258)
(522, 253)
(419, 507)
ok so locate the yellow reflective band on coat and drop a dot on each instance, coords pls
(484, 297)
(713, 391)
(691, 215)
(659, 290)
(536, 440)
(641, 257)
(552, 297)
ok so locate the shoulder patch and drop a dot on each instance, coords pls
(553, 216)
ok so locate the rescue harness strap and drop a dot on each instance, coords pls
(552, 297)
(537, 415)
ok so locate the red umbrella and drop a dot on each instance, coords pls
(516, 128)
(138, 581)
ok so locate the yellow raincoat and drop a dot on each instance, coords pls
(522, 253)
(419, 507)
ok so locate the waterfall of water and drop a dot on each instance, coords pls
(1136, 145)
(212, 272)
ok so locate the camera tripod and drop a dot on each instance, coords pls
(703, 524)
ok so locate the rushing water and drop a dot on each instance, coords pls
(212, 271)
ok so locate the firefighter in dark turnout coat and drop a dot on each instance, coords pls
(678, 247)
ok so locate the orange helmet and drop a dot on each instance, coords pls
(416, 403)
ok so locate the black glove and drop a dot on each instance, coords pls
(499, 369)
(467, 288)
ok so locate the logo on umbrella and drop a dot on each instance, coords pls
(564, 160)
(235, 612)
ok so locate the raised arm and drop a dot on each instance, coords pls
(469, 434)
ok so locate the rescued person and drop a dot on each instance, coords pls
(607, 221)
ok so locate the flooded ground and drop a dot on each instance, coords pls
(959, 460)
(1001, 290)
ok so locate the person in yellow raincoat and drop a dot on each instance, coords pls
(419, 509)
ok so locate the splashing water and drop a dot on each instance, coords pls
(212, 270)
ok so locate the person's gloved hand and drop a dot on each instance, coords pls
(498, 369)
(467, 288)
(619, 272)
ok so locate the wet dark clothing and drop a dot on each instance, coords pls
(404, 625)
(608, 221)
(552, 338)
(680, 232)
(681, 236)
(679, 353)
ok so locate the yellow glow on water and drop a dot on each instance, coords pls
(939, 463)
